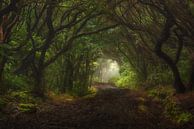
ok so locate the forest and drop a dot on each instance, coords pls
(96, 64)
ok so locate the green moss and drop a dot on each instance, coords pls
(142, 108)
(27, 107)
(22, 96)
(184, 117)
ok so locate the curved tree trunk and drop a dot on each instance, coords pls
(178, 84)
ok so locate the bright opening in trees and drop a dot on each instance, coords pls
(107, 69)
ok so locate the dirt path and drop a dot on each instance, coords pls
(104, 86)
(109, 109)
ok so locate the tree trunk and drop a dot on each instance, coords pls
(178, 84)
(2, 65)
(191, 80)
(39, 85)
(166, 32)
(68, 80)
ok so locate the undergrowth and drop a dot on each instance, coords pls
(172, 109)
(18, 101)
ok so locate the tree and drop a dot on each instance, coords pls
(140, 16)
(71, 22)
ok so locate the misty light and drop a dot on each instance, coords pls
(108, 69)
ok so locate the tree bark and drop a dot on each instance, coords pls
(178, 84)
(2, 65)
(39, 85)
(68, 78)
(191, 80)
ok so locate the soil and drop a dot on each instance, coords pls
(110, 108)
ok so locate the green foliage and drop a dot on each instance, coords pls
(22, 97)
(23, 107)
(80, 90)
(57, 42)
(191, 6)
(73, 70)
(158, 77)
(25, 102)
(171, 108)
(127, 79)
(161, 92)
(185, 65)
(14, 82)
(74, 50)
(184, 117)
(91, 92)
(173, 111)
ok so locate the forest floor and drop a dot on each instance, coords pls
(109, 108)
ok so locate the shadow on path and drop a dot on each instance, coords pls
(109, 109)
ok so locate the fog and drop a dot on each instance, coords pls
(107, 69)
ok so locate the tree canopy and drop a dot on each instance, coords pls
(62, 37)
(72, 46)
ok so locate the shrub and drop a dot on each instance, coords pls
(22, 96)
(27, 107)
(14, 82)
(171, 109)
(127, 79)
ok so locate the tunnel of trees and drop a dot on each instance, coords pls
(56, 45)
